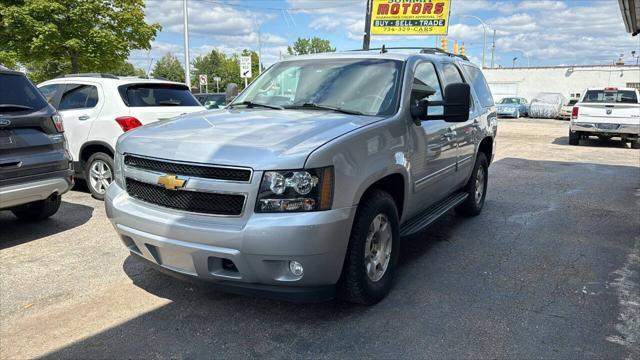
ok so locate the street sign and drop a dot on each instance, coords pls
(410, 17)
(216, 78)
(245, 66)
(203, 79)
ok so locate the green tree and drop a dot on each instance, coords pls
(88, 35)
(310, 46)
(216, 63)
(127, 69)
(170, 68)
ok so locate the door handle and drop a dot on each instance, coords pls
(84, 117)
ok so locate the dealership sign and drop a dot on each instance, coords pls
(410, 17)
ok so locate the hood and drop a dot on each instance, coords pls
(258, 138)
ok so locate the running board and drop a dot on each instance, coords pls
(432, 214)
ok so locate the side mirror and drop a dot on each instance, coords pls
(457, 102)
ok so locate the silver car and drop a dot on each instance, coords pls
(302, 187)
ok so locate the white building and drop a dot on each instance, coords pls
(567, 80)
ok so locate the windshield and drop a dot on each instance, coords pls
(510, 101)
(610, 96)
(18, 94)
(367, 86)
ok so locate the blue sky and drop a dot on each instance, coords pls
(548, 32)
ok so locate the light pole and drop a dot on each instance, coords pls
(637, 57)
(525, 54)
(187, 70)
(493, 47)
(484, 36)
(514, 62)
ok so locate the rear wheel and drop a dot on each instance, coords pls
(574, 138)
(99, 173)
(635, 144)
(38, 210)
(373, 251)
(476, 188)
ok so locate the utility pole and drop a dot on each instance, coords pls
(484, 34)
(187, 70)
(493, 47)
(367, 26)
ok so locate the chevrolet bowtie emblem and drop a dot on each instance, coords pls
(171, 182)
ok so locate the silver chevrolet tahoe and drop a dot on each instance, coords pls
(302, 187)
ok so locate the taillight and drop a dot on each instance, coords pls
(574, 112)
(128, 122)
(57, 122)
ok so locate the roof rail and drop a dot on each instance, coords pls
(423, 50)
(93, 75)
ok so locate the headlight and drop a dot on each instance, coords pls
(119, 171)
(296, 190)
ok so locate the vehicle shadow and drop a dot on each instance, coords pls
(591, 142)
(14, 231)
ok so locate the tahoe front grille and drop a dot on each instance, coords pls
(201, 171)
(192, 201)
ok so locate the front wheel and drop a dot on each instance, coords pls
(635, 144)
(373, 251)
(99, 174)
(476, 188)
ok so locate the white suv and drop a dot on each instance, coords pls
(98, 108)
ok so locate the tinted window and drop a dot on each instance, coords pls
(610, 96)
(479, 84)
(78, 96)
(17, 93)
(49, 91)
(144, 95)
(451, 74)
(426, 75)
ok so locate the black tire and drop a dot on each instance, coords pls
(38, 210)
(355, 285)
(635, 144)
(472, 206)
(104, 159)
(574, 138)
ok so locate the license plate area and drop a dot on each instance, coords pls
(608, 126)
(173, 259)
(6, 138)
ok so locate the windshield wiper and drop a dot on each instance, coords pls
(251, 104)
(324, 107)
(15, 106)
(169, 102)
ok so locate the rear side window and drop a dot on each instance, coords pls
(610, 96)
(17, 93)
(479, 84)
(78, 96)
(144, 95)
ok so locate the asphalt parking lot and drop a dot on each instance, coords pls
(550, 269)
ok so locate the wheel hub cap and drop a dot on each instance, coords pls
(377, 251)
(479, 185)
(100, 176)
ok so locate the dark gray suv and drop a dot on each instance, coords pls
(35, 164)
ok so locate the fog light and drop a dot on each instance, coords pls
(295, 268)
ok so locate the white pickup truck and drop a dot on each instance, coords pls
(607, 112)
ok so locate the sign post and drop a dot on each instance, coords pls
(204, 81)
(245, 68)
(217, 80)
(409, 17)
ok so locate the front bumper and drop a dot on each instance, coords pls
(609, 129)
(505, 113)
(239, 255)
(35, 188)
